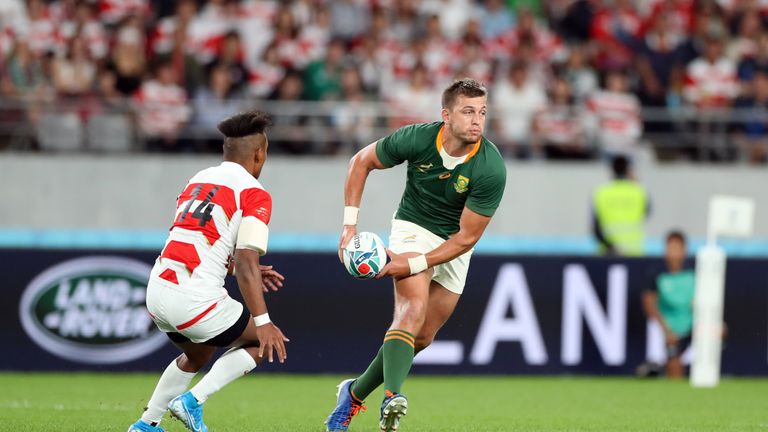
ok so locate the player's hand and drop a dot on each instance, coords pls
(271, 338)
(270, 279)
(397, 267)
(347, 233)
(670, 337)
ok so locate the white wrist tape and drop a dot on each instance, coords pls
(350, 215)
(418, 264)
(261, 320)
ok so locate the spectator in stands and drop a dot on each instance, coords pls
(355, 119)
(558, 129)
(616, 22)
(619, 210)
(163, 109)
(322, 78)
(669, 302)
(580, 75)
(289, 134)
(752, 119)
(75, 73)
(751, 65)
(515, 100)
(414, 101)
(711, 86)
(349, 19)
(25, 77)
(128, 61)
(745, 42)
(266, 74)
(496, 19)
(85, 25)
(218, 100)
(231, 56)
(615, 116)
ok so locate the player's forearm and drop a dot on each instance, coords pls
(453, 247)
(250, 283)
(652, 310)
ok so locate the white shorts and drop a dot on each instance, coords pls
(409, 237)
(175, 311)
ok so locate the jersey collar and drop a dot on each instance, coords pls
(439, 144)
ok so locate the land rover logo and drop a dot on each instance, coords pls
(91, 310)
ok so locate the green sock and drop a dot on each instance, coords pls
(366, 383)
(398, 357)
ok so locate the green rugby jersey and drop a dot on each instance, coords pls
(676, 291)
(434, 195)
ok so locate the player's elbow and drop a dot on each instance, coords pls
(466, 241)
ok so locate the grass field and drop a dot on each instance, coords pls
(111, 402)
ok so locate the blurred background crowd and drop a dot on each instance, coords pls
(585, 79)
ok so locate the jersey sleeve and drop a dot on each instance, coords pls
(485, 196)
(256, 205)
(396, 148)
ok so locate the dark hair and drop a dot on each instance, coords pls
(620, 166)
(245, 124)
(463, 87)
(676, 235)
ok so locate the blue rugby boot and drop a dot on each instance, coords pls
(142, 426)
(188, 411)
(395, 405)
(346, 408)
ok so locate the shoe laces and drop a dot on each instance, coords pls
(356, 408)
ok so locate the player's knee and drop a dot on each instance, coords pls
(191, 364)
(422, 342)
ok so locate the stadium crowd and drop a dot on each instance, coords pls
(568, 79)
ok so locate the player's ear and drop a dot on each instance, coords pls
(444, 114)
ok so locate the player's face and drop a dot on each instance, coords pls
(466, 119)
(675, 252)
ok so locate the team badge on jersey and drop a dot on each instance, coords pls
(462, 184)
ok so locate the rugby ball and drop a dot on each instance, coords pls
(364, 256)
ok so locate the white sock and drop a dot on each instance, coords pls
(173, 382)
(230, 366)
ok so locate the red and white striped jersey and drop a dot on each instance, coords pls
(711, 84)
(204, 232)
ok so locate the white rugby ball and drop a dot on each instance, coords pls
(364, 256)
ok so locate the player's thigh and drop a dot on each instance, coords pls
(411, 298)
(440, 307)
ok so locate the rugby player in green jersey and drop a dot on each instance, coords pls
(456, 179)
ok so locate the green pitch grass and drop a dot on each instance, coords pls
(111, 402)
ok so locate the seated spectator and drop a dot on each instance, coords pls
(750, 66)
(580, 75)
(349, 19)
(74, 74)
(219, 99)
(514, 101)
(25, 77)
(414, 101)
(128, 61)
(745, 43)
(615, 114)
(288, 134)
(669, 301)
(355, 119)
(558, 129)
(752, 119)
(616, 22)
(163, 109)
(264, 77)
(711, 79)
(85, 24)
(496, 19)
(231, 56)
(322, 77)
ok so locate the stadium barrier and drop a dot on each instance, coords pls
(83, 310)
